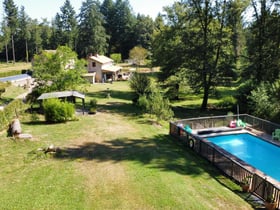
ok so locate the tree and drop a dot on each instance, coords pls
(5, 38)
(138, 55)
(122, 37)
(234, 20)
(66, 25)
(263, 42)
(59, 70)
(168, 46)
(196, 41)
(24, 31)
(107, 9)
(11, 17)
(92, 34)
(211, 45)
(143, 31)
(46, 35)
(36, 37)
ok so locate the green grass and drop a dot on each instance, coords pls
(11, 93)
(6, 67)
(115, 159)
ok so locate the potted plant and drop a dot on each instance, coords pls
(93, 106)
(245, 183)
(270, 203)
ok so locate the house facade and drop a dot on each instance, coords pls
(103, 67)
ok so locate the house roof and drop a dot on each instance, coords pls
(15, 78)
(111, 68)
(62, 94)
(101, 59)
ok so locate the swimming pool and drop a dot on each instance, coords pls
(258, 153)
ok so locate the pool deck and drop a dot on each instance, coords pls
(218, 131)
(224, 130)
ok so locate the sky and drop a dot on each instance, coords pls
(48, 8)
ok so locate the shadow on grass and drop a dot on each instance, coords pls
(160, 153)
(187, 112)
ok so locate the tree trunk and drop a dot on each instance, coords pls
(26, 51)
(205, 97)
(7, 54)
(13, 49)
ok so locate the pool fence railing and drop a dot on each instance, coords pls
(261, 185)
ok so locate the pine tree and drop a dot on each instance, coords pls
(66, 25)
(24, 32)
(91, 32)
(11, 16)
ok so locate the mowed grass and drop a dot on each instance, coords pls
(6, 67)
(115, 159)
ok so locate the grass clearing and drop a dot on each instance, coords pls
(112, 160)
(6, 67)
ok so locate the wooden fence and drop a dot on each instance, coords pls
(260, 185)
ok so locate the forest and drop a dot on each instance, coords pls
(201, 44)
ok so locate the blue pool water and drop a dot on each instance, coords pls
(256, 152)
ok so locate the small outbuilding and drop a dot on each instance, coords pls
(22, 80)
(68, 95)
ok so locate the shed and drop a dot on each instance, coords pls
(69, 95)
(18, 80)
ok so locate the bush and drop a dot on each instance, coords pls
(56, 111)
(140, 84)
(160, 106)
(93, 106)
(143, 103)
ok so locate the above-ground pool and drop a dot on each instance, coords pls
(255, 151)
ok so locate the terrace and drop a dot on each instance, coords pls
(261, 185)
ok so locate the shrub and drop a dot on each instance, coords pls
(56, 111)
(160, 106)
(143, 103)
(93, 106)
(140, 84)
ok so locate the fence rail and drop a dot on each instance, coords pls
(260, 185)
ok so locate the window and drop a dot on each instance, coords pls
(93, 64)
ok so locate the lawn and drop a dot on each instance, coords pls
(6, 67)
(115, 159)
